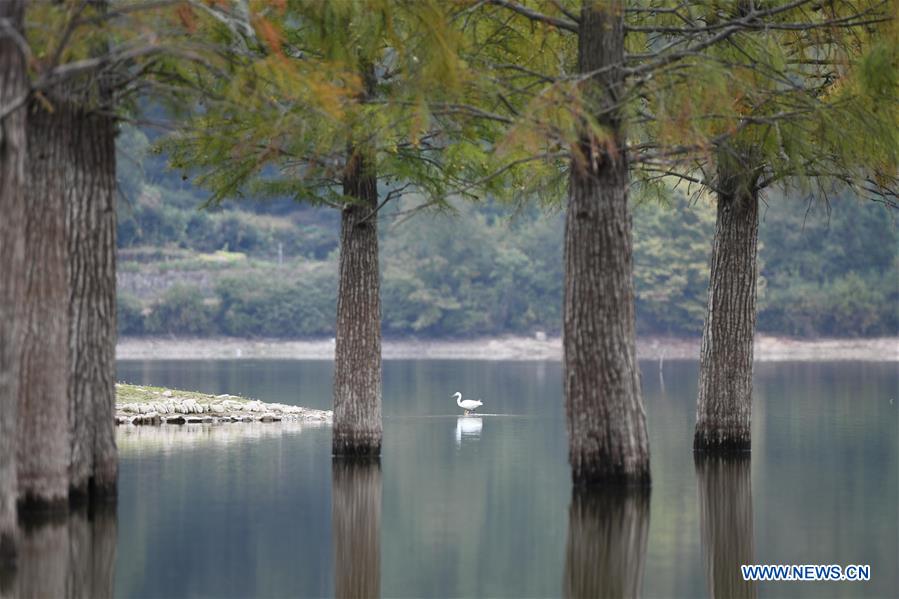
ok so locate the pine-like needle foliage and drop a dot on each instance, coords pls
(305, 84)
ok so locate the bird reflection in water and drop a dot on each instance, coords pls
(725, 515)
(66, 556)
(468, 427)
(356, 526)
(607, 534)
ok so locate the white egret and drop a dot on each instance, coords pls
(469, 405)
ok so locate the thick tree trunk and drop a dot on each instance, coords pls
(724, 407)
(607, 534)
(725, 516)
(13, 87)
(44, 434)
(606, 420)
(357, 368)
(356, 526)
(91, 227)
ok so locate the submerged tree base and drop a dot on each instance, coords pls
(355, 445)
(602, 474)
(721, 441)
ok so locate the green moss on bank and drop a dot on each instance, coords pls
(137, 394)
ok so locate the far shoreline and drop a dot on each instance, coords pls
(506, 348)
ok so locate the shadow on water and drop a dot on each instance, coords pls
(356, 526)
(65, 556)
(607, 534)
(725, 513)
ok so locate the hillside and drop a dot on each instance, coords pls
(268, 268)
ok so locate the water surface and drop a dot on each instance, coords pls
(484, 506)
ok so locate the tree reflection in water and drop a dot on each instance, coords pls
(607, 533)
(356, 526)
(725, 513)
(65, 556)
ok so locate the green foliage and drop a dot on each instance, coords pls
(129, 315)
(268, 304)
(181, 311)
(672, 242)
(465, 275)
(830, 270)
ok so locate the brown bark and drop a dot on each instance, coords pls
(91, 228)
(357, 367)
(356, 526)
(606, 420)
(44, 434)
(724, 406)
(725, 514)
(607, 534)
(13, 85)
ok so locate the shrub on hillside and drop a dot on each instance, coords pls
(268, 305)
(181, 311)
(129, 315)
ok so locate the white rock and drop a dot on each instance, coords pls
(167, 393)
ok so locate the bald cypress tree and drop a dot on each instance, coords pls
(13, 88)
(734, 96)
(342, 105)
(807, 102)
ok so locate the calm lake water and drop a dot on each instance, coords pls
(484, 506)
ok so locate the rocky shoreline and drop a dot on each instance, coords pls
(139, 405)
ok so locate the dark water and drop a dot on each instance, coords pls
(484, 506)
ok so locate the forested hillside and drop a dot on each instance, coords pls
(268, 268)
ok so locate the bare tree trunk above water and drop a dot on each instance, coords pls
(606, 421)
(44, 433)
(13, 86)
(357, 367)
(725, 516)
(91, 227)
(607, 534)
(724, 405)
(356, 526)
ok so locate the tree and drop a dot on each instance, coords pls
(684, 96)
(13, 87)
(67, 370)
(91, 233)
(333, 104)
(44, 435)
(791, 102)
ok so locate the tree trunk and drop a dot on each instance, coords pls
(44, 434)
(725, 517)
(13, 86)
(606, 420)
(91, 227)
(357, 368)
(607, 534)
(356, 526)
(724, 407)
